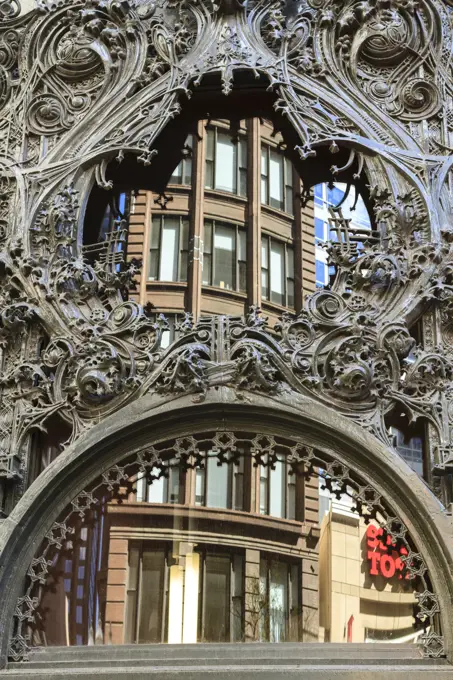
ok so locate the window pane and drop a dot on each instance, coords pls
(264, 161)
(276, 180)
(210, 145)
(277, 491)
(291, 510)
(207, 249)
(173, 486)
(155, 232)
(217, 491)
(237, 592)
(278, 601)
(199, 487)
(209, 179)
(152, 595)
(321, 273)
(239, 485)
(224, 257)
(217, 598)
(176, 177)
(277, 273)
(242, 260)
(131, 608)
(264, 486)
(320, 229)
(184, 233)
(290, 262)
(226, 164)
(169, 250)
(243, 182)
(156, 491)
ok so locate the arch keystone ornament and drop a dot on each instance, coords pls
(85, 84)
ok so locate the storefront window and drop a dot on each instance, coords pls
(169, 248)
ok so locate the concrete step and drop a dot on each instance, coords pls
(254, 661)
(230, 672)
(301, 652)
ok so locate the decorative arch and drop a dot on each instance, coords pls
(95, 80)
(101, 450)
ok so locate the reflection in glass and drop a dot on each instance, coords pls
(235, 548)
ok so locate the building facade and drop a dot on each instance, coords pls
(226, 368)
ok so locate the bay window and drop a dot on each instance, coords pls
(224, 256)
(169, 248)
(277, 271)
(226, 162)
(276, 180)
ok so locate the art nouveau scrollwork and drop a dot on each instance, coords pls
(85, 83)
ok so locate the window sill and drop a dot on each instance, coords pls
(161, 285)
(222, 195)
(275, 308)
(275, 212)
(214, 291)
(253, 521)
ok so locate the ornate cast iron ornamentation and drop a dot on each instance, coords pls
(84, 83)
(155, 461)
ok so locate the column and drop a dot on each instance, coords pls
(195, 274)
(254, 213)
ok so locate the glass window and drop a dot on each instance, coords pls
(320, 230)
(224, 256)
(147, 595)
(226, 162)
(169, 248)
(277, 272)
(276, 180)
(182, 174)
(217, 488)
(277, 491)
(321, 273)
(220, 486)
(279, 601)
(221, 597)
(166, 489)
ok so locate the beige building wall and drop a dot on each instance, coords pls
(348, 590)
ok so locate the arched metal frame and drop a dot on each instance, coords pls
(85, 83)
(98, 453)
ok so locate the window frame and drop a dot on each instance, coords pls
(161, 217)
(289, 478)
(231, 484)
(287, 247)
(236, 274)
(268, 559)
(286, 186)
(241, 137)
(185, 163)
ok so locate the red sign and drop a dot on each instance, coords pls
(385, 560)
